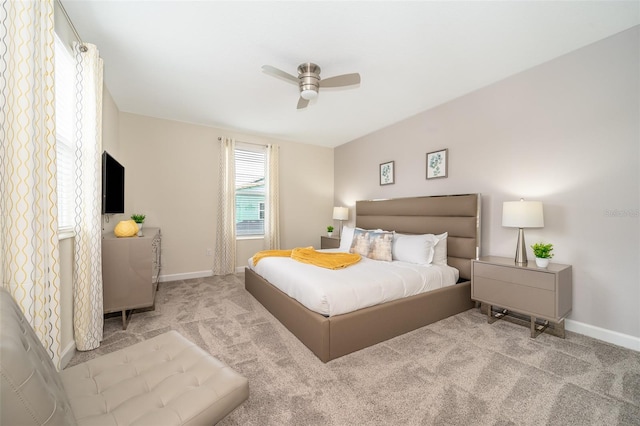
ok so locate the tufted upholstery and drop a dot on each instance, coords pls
(164, 380)
(31, 391)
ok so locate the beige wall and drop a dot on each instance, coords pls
(565, 133)
(171, 174)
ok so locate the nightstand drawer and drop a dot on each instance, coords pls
(329, 242)
(529, 278)
(521, 298)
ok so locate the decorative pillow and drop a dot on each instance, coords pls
(381, 243)
(360, 242)
(345, 238)
(126, 228)
(440, 251)
(374, 245)
(418, 249)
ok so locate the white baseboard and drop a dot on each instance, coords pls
(603, 334)
(67, 354)
(185, 276)
(190, 275)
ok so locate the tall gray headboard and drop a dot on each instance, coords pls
(459, 215)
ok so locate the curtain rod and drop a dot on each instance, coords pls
(83, 48)
(248, 143)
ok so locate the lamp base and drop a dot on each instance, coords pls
(521, 249)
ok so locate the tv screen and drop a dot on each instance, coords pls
(112, 185)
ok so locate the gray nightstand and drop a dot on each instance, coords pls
(538, 293)
(329, 242)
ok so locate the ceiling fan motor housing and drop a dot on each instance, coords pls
(309, 76)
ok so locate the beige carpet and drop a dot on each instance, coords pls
(459, 371)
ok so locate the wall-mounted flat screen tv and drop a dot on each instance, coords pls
(112, 185)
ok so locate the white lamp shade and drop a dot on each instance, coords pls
(340, 213)
(522, 214)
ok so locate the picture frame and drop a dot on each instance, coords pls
(438, 164)
(387, 173)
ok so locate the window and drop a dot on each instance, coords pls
(250, 190)
(64, 78)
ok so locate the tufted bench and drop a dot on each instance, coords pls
(166, 380)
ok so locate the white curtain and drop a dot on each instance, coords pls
(87, 271)
(29, 249)
(272, 225)
(224, 261)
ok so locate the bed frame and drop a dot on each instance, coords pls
(333, 337)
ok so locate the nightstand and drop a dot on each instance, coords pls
(541, 294)
(329, 242)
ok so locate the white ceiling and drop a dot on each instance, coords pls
(200, 61)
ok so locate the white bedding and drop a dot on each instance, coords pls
(367, 283)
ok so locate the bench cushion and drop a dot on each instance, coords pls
(31, 391)
(164, 380)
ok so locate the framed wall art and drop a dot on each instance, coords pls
(387, 173)
(437, 162)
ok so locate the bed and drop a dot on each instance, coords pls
(335, 336)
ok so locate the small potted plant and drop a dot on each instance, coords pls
(329, 230)
(543, 254)
(139, 220)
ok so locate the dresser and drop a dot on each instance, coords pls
(544, 295)
(130, 272)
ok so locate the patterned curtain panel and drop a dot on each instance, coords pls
(87, 271)
(224, 261)
(272, 229)
(29, 257)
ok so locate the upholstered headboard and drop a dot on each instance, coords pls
(459, 215)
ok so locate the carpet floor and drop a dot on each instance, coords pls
(458, 371)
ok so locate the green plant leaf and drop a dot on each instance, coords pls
(542, 250)
(137, 217)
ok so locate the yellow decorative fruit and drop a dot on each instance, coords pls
(126, 228)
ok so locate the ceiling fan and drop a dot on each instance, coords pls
(309, 82)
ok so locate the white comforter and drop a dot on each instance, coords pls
(367, 283)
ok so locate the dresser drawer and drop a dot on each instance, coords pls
(536, 279)
(521, 298)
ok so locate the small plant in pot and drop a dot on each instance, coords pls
(329, 230)
(543, 254)
(139, 220)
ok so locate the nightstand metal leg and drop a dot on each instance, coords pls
(536, 326)
(126, 317)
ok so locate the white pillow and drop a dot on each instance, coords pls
(345, 238)
(440, 250)
(418, 249)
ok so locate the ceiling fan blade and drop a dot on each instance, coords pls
(268, 69)
(341, 80)
(302, 102)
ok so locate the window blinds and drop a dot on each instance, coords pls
(250, 190)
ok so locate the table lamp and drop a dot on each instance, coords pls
(522, 214)
(340, 213)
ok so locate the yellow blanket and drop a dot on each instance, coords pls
(270, 253)
(313, 257)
